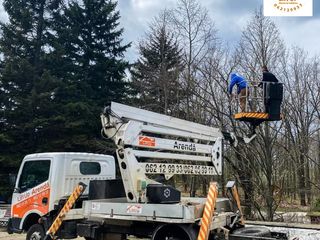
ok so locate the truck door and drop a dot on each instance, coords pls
(32, 192)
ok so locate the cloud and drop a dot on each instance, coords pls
(145, 4)
(3, 14)
(136, 15)
(302, 34)
(230, 17)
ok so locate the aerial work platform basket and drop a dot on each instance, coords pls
(262, 103)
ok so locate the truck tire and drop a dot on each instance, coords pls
(253, 231)
(174, 232)
(35, 232)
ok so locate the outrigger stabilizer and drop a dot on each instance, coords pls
(77, 192)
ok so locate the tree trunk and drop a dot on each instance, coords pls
(204, 186)
(39, 36)
(308, 183)
(302, 180)
(245, 178)
(194, 187)
(295, 190)
(318, 175)
(269, 173)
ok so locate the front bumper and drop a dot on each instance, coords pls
(13, 225)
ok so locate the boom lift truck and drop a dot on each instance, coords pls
(150, 144)
(151, 148)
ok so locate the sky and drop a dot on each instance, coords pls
(229, 16)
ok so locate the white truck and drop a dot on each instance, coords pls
(151, 148)
(44, 182)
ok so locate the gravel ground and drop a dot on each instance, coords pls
(6, 236)
(294, 234)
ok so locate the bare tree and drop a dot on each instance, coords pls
(212, 90)
(196, 33)
(301, 109)
(260, 45)
(285, 157)
(252, 166)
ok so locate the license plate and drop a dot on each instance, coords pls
(161, 168)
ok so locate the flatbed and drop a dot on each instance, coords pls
(188, 211)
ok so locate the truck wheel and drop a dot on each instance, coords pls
(174, 232)
(35, 232)
(253, 231)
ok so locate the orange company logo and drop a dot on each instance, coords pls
(288, 5)
(147, 141)
(289, 8)
(32, 200)
(32, 192)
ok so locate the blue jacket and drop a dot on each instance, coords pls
(237, 80)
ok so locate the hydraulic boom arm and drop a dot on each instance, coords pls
(151, 143)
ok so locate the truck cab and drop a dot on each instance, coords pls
(46, 179)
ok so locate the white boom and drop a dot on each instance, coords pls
(152, 143)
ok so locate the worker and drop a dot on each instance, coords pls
(242, 89)
(268, 76)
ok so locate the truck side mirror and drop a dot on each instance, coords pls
(17, 190)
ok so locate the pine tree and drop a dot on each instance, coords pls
(28, 111)
(88, 58)
(27, 87)
(156, 73)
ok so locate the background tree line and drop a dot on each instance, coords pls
(62, 62)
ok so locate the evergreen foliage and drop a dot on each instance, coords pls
(61, 64)
(28, 107)
(88, 57)
(156, 73)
